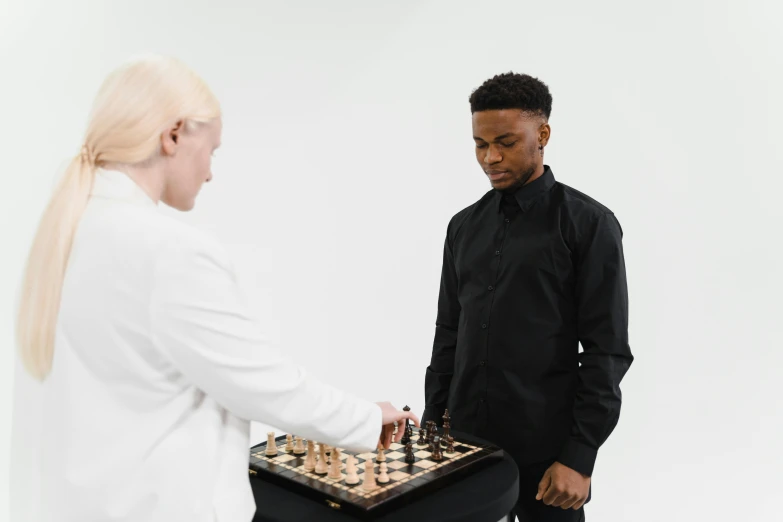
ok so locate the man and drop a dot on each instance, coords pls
(530, 271)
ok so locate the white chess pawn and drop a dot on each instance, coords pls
(334, 468)
(383, 477)
(309, 465)
(271, 445)
(322, 467)
(369, 477)
(289, 447)
(381, 454)
(299, 448)
(353, 477)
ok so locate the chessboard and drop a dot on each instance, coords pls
(396, 482)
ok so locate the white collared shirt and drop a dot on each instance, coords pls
(158, 370)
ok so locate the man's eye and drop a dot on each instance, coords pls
(481, 146)
(508, 144)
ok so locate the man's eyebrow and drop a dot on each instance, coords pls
(506, 135)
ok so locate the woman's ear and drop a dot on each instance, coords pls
(170, 138)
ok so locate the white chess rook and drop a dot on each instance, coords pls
(271, 445)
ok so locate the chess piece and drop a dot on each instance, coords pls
(299, 448)
(309, 465)
(450, 445)
(369, 477)
(446, 424)
(409, 457)
(322, 467)
(432, 435)
(383, 476)
(406, 437)
(334, 469)
(353, 477)
(381, 454)
(289, 446)
(422, 437)
(436, 456)
(271, 445)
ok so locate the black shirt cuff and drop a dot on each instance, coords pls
(579, 457)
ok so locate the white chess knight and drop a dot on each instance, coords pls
(309, 465)
(321, 468)
(334, 468)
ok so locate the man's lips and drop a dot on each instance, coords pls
(495, 175)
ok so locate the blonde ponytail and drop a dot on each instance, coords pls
(134, 106)
(43, 278)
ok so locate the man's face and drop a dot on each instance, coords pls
(507, 146)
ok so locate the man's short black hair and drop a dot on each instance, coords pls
(513, 91)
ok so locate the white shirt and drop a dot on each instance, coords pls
(158, 370)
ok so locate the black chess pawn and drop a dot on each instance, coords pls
(406, 437)
(437, 455)
(409, 458)
(422, 437)
(449, 444)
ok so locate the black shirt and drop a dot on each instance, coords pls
(527, 277)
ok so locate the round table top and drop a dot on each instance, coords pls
(485, 496)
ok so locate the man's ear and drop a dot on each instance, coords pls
(170, 138)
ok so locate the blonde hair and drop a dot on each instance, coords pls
(135, 105)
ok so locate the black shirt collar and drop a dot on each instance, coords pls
(527, 194)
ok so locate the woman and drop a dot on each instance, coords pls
(151, 367)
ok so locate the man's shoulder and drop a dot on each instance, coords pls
(578, 200)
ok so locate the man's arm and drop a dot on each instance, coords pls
(441, 368)
(602, 305)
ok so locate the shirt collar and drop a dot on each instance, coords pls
(113, 184)
(527, 194)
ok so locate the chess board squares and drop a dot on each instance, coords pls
(394, 455)
(395, 447)
(423, 454)
(398, 475)
(397, 464)
(285, 457)
(366, 456)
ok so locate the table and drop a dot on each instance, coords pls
(486, 496)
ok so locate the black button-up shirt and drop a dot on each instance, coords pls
(526, 278)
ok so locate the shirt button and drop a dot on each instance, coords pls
(483, 363)
(490, 287)
(484, 325)
(508, 220)
(497, 252)
(481, 401)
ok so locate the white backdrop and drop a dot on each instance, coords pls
(347, 141)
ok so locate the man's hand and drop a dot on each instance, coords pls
(563, 487)
(391, 417)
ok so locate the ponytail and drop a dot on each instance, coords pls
(43, 279)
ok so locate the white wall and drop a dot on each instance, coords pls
(347, 135)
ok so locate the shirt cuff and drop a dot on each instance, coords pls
(579, 457)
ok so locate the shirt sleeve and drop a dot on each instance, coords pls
(200, 321)
(602, 304)
(441, 369)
